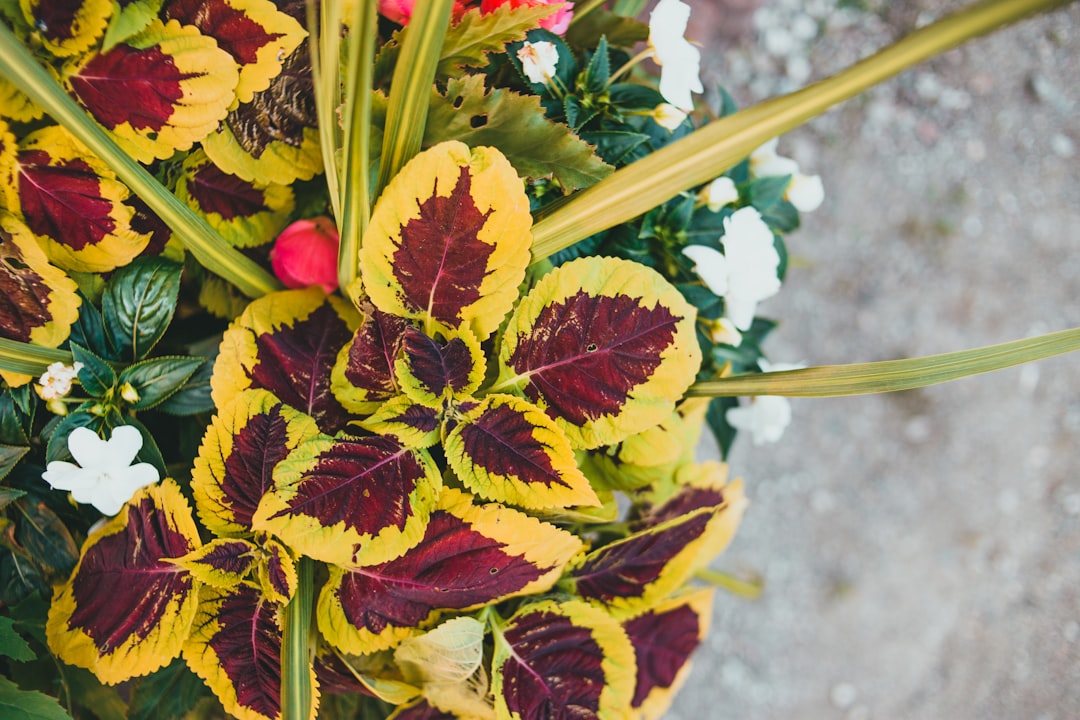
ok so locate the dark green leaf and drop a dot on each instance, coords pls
(620, 31)
(715, 416)
(12, 429)
(194, 396)
(16, 704)
(156, 379)
(96, 376)
(614, 146)
(19, 579)
(89, 330)
(57, 448)
(782, 217)
(12, 644)
(46, 538)
(168, 694)
(9, 495)
(138, 304)
(631, 96)
(598, 72)
(149, 453)
(10, 455)
(764, 192)
(88, 692)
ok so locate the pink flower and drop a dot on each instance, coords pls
(400, 11)
(558, 22)
(306, 253)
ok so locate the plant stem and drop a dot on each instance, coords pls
(19, 67)
(296, 695)
(715, 148)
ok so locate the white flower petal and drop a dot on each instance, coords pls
(721, 192)
(124, 444)
(668, 116)
(805, 192)
(711, 266)
(766, 417)
(538, 60)
(773, 165)
(679, 60)
(740, 311)
(87, 448)
(65, 476)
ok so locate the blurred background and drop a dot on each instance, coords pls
(921, 550)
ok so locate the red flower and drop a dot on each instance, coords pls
(306, 253)
(556, 23)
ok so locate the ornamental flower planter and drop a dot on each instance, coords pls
(354, 362)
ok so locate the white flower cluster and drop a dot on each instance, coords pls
(678, 58)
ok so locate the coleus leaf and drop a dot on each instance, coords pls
(506, 449)
(470, 556)
(242, 445)
(448, 241)
(605, 346)
(138, 305)
(516, 125)
(235, 647)
(126, 610)
(15, 106)
(73, 203)
(38, 302)
(277, 572)
(414, 425)
(254, 32)
(245, 213)
(287, 342)
(67, 27)
(363, 375)
(562, 660)
(222, 562)
(664, 638)
(351, 501)
(158, 92)
(274, 138)
(430, 371)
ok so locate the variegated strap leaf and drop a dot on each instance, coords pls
(509, 450)
(663, 640)
(415, 426)
(449, 240)
(630, 575)
(158, 92)
(605, 346)
(126, 610)
(562, 660)
(277, 572)
(67, 27)
(73, 203)
(38, 302)
(287, 342)
(235, 647)
(239, 451)
(351, 501)
(363, 374)
(222, 562)
(471, 556)
(246, 214)
(254, 32)
(274, 138)
(432, 371)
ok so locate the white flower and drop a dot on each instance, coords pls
(55, 382)
(538, 61)
(805, 192)
(711, 266)
(721, 192)
(766, 417)
(107, 479)
(679, 60)
(724, 331)
(768, 367)
(764, 162)
(668, 116)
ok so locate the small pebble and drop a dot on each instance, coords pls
(1063, 146)
(843, 695)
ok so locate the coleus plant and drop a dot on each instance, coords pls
(477, 471)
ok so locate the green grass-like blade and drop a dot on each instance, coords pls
(721, 144)
(29, 359)
(324, 40)
(891, 375)
(410, 88)
(19, 67)
(356, 200)
(296, 647)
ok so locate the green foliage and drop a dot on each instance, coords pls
(138, 305)
(16, 704)
(169, 694)
(12, 644)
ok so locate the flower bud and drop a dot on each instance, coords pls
(129, 393)
(306, 254)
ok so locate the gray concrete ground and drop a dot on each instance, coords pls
(921, 551)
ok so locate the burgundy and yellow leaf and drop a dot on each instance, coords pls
(274, 138)
(449, 240)
(126, 610)
(351, 501)
(562, 660)
(431, 371)
(38, 302)
(222, 562)
(373, 675)
(158, 92)
(246, 214)
(635, 573)
(277, 572)
(67, 27)
(510, 451)
(604, 345)
(254, 32)
(663, 640)
(414, 426)
(235, 647)
(421, 710)
(73, 203)
(363, 375)
(470, 556)
(15, 105)
(287, 342)
(234, 468)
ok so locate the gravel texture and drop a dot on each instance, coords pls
(920, 551)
